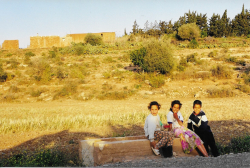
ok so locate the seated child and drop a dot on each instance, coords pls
(198, 123)
(189, 140)
(153, 131)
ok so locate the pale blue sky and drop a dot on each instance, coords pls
(20, 19)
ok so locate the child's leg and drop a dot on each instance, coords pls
(167, 137)
(211, 143)
(203, 150)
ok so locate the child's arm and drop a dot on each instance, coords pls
(201, 123)
(178, 120)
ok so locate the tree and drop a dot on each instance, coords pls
(125, 32)
(214, 25)
(93, 39)
(135, 29)
(189, 31)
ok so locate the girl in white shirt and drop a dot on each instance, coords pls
(189, 140)
(153, 131)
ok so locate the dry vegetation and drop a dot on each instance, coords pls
(51, 98)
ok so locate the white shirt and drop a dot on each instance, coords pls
(172, 120)
(152, 124)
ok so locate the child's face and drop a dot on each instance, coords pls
(154, 110)
(176, 108)
(197, 109)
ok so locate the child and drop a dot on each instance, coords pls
(198, 123)
(189, 140)
(153, 131)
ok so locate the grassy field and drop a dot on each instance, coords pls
(55, 97)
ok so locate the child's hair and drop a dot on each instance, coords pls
(154, 103)
(175, 102)
(197, 102)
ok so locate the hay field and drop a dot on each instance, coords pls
(228, 117)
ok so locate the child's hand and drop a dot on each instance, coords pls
(175, 116)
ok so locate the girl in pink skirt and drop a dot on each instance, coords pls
(189, 140)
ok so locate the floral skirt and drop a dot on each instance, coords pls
(189, 140)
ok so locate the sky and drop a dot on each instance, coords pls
(20, 19)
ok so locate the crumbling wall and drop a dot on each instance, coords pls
(108, 37)
(10, 44)
(44, 41)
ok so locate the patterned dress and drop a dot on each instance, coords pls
(189, 140)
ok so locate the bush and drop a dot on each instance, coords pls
(244, 88)
(41, 71)
(29, 54)
(13, 63)
(115, 95)
(189, 31)
(217, 92)
(231, 60)
(193, 44)
(221, 72)
(93, 39)
(44, 158)
(154, 57)
(192, 58)
(69, 89)
(213, 54)
(3, 75)
(137, 56)
(156, 81)
(237, 145)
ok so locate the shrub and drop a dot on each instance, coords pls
(217, 92)
(13, 63)
(29, 54)
(213, 54)
(108, 59)
(156, 81)
(193, 44)
(13, 89)
(44, 158)
(68, 89)
(35, 93)
(3, 75)
(41, 70)
(237, 145)
(231, 60)
(244, 88)
(192, 58)
(156, 56)
(246, 78)
(189, 31)
(93, 39)
(221, 72)
(115, 95)
(182, 64)
(137, 56)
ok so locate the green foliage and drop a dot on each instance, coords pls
(221, 72)
(231, 59)
(193, 44)
(237, 145)
(115, 95)
(137, 56)
(192, 58)
(29, 54)
(44, 158)
(13, 63)
(213, 53)
(41, 71)
(93, 39)
(217, 92)
(244, 88)
(158, 57)
(3, 74)
(156, 81)
(68, 89)
(189, 31)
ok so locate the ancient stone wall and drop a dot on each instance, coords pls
(56, 41)
(107, 37)
(10, 44)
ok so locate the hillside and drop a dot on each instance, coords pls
(99, 73)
